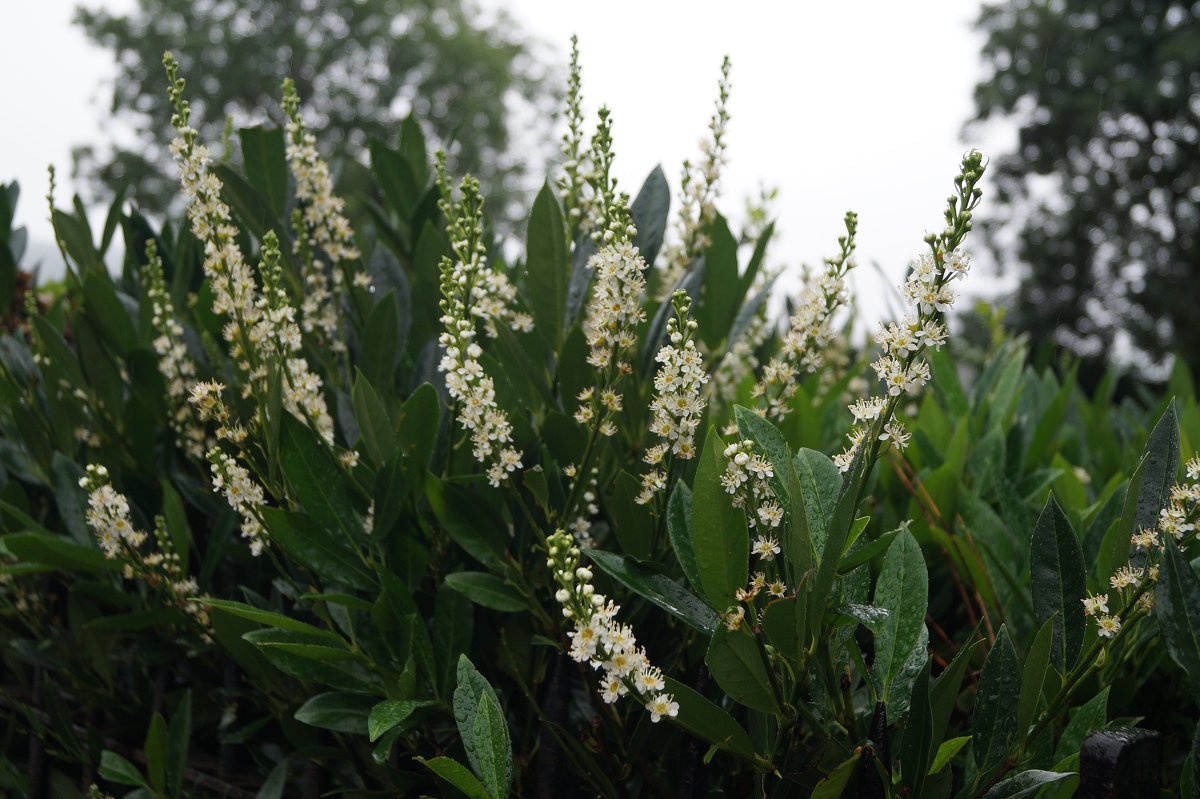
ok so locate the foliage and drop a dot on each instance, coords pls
(1104, 96)
(362, 66)
(540, 541)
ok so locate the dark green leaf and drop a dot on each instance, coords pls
(374, 424)
(720, 538)
(548, 267)
(386, 715)
(736, 664)
(1092, 716)
(769, 441)
(1033, 675)
(156, 752)
(869, 551)
(708, 722)
(468, 521)
(179, 735)
(265, 163)
(821, 483)
(487, 590)
(679, 520)
(493, 750)
(457, 775)
(340, 711)
(903, 591)
(117, 769)
(58, 552)
(382, 346)
(649, 212)
(994, 723)
(916, 747)
(658, 588)
(1027, 783)
(1177, 606)
(834, 785)
(328, 557)
(319, 483)
(1059, 582)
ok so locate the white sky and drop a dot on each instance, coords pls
(841, 105)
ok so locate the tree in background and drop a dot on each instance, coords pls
(359, 65)
(1100, 201)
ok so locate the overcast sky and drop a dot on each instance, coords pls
(841, 105)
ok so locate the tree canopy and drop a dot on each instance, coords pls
(359, 65)
(1100, 200)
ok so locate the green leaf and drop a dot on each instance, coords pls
(679, 521)
(1059, 582)
(311, 647)
(457, 775)
(868, 552)
(736, 664)
(1092, 716)
(328, 557)
(720, 538)
(1027, 783)
(649, 212)
(658, 588)
(382, 344)
(1033, 675)
(179, 735)
(453, 626)
(375, 426)
(265, 164)
(994, 723)
(917, 744)
(487, 590)
(386, 715)
(468, 521)
(630, 522)
(481, 727)
(108, 313)
(834, 785)
(903, 591)
(340, 711)
(58, 552)
(548, 266)
(417, 431)
(311, 659)
(821, 483)
(115, 768)
(268, 618)
(779, 625)
(769, 441)
(946, 753)
(156, 752)
(708, 722)
(319, 483)
(1161, 469)
(1177, 606)
(493, 750)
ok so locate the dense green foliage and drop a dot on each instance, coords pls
(453, 480)
(1105, 99)
(362, 66)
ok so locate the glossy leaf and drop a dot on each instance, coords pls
(1059, 582)
(679, 522)
(994, 723)
(658, 588)
(340, 711)
(1025, 784)
(1177, 606)
(1033, 675)
(487, 590)
(736, 664)
(720, 539)
(547, 266)
(903, 591)
(386, 715)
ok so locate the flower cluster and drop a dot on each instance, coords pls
(177, 368)
(467, 295)
(699, 189)
(1177, 520)
(260, 329)
(679, 402)
(157, 565)
(243, 493)
(747, 479)
(276, 337)
(599, 639)
(929, 290)
(810, 329)
(322, 227)
(573, 182)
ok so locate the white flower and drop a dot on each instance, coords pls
(765, 548)
(662, 705)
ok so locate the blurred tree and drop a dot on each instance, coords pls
(1101, 199)
(360, 65)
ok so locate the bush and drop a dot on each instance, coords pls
(275, 526)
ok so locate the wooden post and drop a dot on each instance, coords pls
(1120, 764)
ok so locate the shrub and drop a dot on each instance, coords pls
(273, 524)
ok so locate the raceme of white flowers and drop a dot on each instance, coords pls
(230, 478)
(600, 640)
(573, 183)
(258, 326)
(324, 228)
(157, 565)
(810, 329)
(699, 188)
(174, 364)
(678, 401)
(469, 289)
(929, 290)
(1178, 520)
